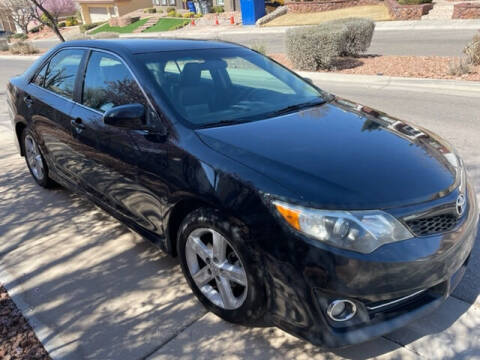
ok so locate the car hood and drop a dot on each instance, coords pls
(342, 155)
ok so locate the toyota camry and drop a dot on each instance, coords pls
(286, 205)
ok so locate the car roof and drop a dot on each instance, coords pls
(138, 46)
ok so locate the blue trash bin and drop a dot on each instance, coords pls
(252, 10)
(191, 7)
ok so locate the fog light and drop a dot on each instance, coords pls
(341, 310)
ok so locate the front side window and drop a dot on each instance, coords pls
(230, 85)
(40, 77)
(62, 72)
(109, 83)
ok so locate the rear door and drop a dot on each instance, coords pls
(112, 152)
(49, 100)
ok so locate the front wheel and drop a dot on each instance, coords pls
(219, 267)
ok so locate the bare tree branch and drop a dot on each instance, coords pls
(38, 9)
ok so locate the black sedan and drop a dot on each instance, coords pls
(286, 205)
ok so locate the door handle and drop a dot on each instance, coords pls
(28, 100)
(78, 124)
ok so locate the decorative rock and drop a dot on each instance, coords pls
(466, 11)
(407, 12)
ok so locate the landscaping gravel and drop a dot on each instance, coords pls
(433, 67)
(17, 339)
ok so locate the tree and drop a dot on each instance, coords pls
(41, 7)
(19, 11)
(57, 8)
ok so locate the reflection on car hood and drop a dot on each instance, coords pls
(342, 155)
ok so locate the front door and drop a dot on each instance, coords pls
(112, 152)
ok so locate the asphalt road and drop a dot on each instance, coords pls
(95, 284)
(385, 42)
(398, 42)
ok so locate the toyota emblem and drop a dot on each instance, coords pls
(460, 205)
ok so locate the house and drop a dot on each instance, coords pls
(229, 5)
(6, 23)
(102, 10)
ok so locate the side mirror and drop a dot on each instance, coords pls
(308, 80)
(131, 116)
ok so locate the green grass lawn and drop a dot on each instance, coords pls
(168, 24)
(120, 29)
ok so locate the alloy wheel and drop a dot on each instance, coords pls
(216, 268)
(34, 158)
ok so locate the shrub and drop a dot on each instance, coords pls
(86, 27)
(106, 35)
(198, 15)
(188, 15)
(317, 47)
(359, 33)
(20, 36)
(313, 48)
(150, 11)
(36, 29)
(218, 9)
(414, 2)
(71, 21)
(170, 9)
(62, 24)
(459, 67)
(472, 50)
(172, 13)
(23, 48)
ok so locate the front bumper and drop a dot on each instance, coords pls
(306, 276)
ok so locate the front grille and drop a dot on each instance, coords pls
(432, 225)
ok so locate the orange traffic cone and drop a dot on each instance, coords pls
(216, 20)
(192, 22)
(232, 20)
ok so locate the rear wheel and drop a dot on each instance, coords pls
(219, 267)
(35, 161)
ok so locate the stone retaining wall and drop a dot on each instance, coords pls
(325, 5)
(407, 12)
(466, 11)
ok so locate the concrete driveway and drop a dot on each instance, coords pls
(92, 289)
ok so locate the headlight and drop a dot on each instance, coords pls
(360, 231)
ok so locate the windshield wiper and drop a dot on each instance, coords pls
(296, 107)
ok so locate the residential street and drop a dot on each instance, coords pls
(395, 42)
(92, 289)
(426, 42)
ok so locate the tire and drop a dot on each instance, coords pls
(247, 306)
(35, 161)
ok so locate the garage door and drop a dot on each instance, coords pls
(98, 14)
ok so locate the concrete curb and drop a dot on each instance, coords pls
(428, 25)
(51, 341)
(438, 86)
(19, 57)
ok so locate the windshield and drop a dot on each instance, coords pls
(218, 86)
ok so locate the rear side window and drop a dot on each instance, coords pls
(62, 72)
(109, 83)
